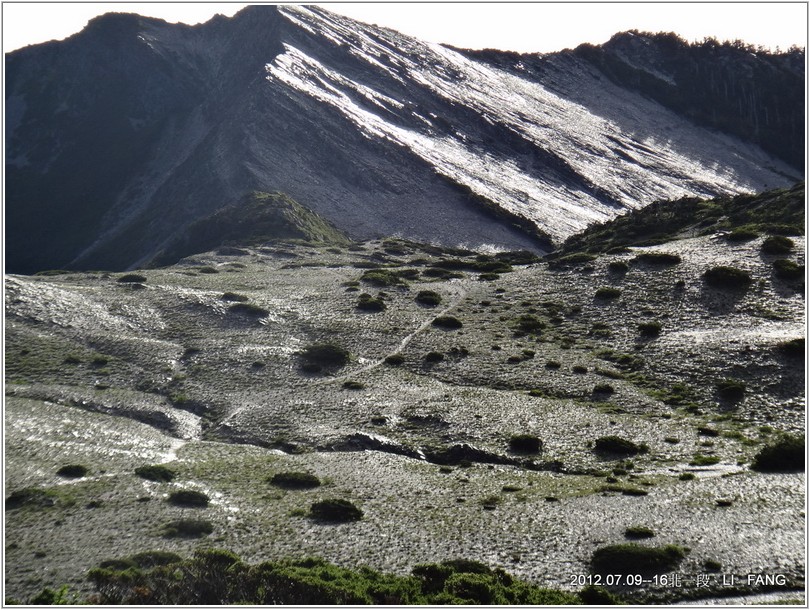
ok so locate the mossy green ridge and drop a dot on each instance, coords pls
(256, 218)
(779, 211)
(218, 577)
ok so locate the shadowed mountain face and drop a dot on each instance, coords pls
(124, 135)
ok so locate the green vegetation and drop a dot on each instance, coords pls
(604, 389)
(786, 454)
(434, 357)
(31, 496)
(295, 480)
(744, 233)
(525, 443)
(234, 297)
(187, 528)
(700, 459)
(638, 532)
(649, 329)
(132, 278)
(382, 278)
(217, 577)
(325, 355)
(156, 472)
(606, 293)
(72, 471)
(794, 348)
(777, 244)
(616, 445)
(528, 324)
(249, 309)
(366, 302)
(686, 476)
(335, 511)
(447, 322)
(787, 270)
(657, 259)
(428, 298)
(189, 498)
(394, 360)
(727, 278)
(353, 385)
(632, 558)
(730, 390)
(618, 267)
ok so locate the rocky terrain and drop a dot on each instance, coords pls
(516, 411)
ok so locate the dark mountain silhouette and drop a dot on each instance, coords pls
(122, 136)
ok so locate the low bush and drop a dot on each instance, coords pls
(31, 496)
(428, 298)
(187, 528)
(442, 273)
(786, 454)
(579, 369)
(794, 348)
(632, 558)
(607, 293)
(727, 278)
(155, 473)
(434, 357)
(618, 267)
(233, 297)
(787, 270)
(153, 559)
(353, 385)
(132, 278)
(658, 259)
(616, 445)
(777, 244)
(381, 277)
(638, 532)
(447, 322)
(525, 443)
(730, 390)
(603, 388)
(488, 277)
(295, 480)
(207, 269)
(249, 309)
(189, 498)
(553, 365)
(528, 324)
(394, 360)
(335, 511)
(325, 355)
(366, 302)
(742, 234)
(649, 329)
(701, 459)
(72, 471)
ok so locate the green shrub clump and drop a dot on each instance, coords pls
(608, 293)
(381, 278)
(777, 244)
(189, 498)
(428, 298)
(787, 270)
(727, 278)
(525, 443)
(794, 348)
(295, 480)
(638, 532)
(249, 309)
(394, 360)
(730, 390)
(233, 297)
(31, 496)
(632, 558)
(447, 322)
(434, 357)
(335, 511)
(72, 471)
(187, 528)
(618, 267)
(618, 446)
(366, 302)
(157, 473)
(649, 329)
(528, 324)
(132, 278)
(325, 354)
(353, 385)
(786, 454)
(658, 259)
(742, 234)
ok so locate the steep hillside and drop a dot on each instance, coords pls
(134, 129)
(534, 416)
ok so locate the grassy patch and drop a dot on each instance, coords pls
(638, 532)
(335, 511)
(787, 270)
(189, 498)
(632, 558)
(187, 528)
(366, 302)
(156, 473)
(295, 480)
(615, 445)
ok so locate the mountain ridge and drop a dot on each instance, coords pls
(377, 132)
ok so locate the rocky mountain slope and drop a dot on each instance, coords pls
(521, 413)
(132, 130)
